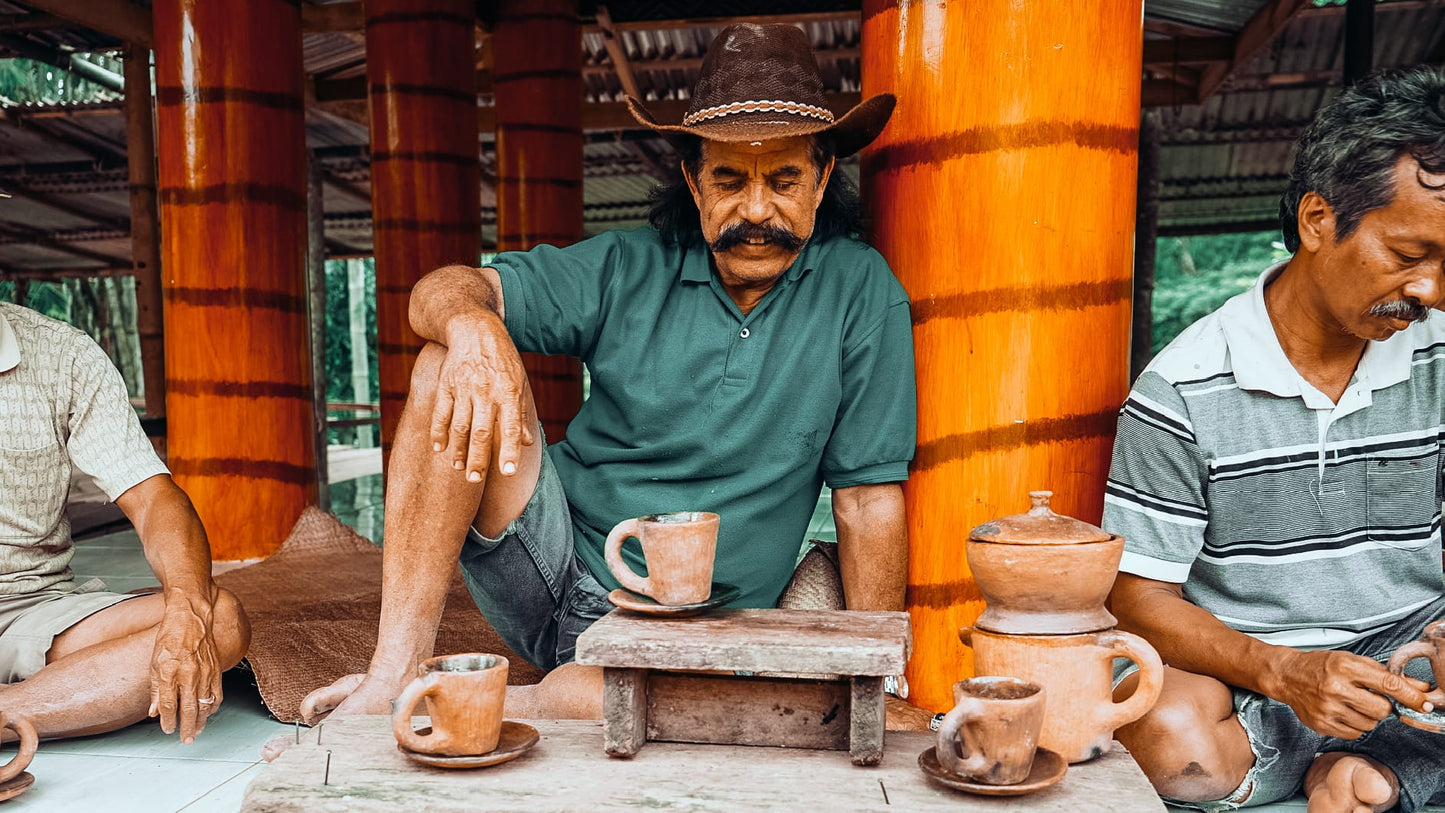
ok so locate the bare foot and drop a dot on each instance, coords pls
(1338, 782)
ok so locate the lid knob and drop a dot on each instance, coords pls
(1039, 500)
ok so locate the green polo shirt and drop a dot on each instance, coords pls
(696, 407)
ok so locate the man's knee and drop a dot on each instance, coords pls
(230, 628)
(426, 373)
(1190, 744)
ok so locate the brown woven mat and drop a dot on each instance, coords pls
(314, 606)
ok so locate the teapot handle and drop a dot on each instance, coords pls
(1121, 644)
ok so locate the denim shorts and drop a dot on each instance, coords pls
(1284, 747)
(528, 582)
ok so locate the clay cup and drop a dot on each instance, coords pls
(992, 732)
(678, 548)
(28, 742)
(1432, 647)
(464, 694)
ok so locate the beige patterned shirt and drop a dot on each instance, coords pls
(62, 404)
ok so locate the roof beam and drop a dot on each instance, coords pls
(332, 17)
(25, 234)
(121, 19)
(1184, 50)
(618, 54)
(61, 205)
(1262, 28)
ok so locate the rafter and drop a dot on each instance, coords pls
(121, 19)
(1262, 28)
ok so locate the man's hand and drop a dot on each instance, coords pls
(1340, 694)
(481, 398)
(185, 670)
(352, 694)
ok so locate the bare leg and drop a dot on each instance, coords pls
(569, 692)
(1190, 745)
(97, 675)
(1339, 782)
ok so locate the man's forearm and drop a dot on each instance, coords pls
(1190, 638)
(451, 292)
(172, 536)
(872, 546)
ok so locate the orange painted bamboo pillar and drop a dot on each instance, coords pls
(232, 176)
(425, 179)
(537, 75)
(1003, 197)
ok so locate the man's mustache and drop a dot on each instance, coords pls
(1400, 309)
(740, 233)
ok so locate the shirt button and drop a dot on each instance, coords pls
(746, 333)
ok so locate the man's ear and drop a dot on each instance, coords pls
(1315, 221)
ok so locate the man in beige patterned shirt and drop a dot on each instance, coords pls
(76, 659)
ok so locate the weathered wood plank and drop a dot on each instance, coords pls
(747, 711)
(567, 771)
(624, 703)
(867, 721)
(808, 641)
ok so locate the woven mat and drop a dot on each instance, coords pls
(314, 606)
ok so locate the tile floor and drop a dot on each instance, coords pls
(140, 769)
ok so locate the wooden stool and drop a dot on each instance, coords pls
(830, 697)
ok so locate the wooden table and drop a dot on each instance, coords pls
(795, 678)
(568, 771)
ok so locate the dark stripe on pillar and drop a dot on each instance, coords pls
(565, 183)
(524, 127)
(1022, 298)
(398, 290)
(536, 237)
(271, 194)
(941, 596)
(949, 448)
(425, 157)
(173, 95)
(399, 348)
(420, 17)
(423, 226)
(978, 140)
(241, 467)
(426, 90)
(236, 297)
(239, 389)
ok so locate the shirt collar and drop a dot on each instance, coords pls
(9, 346)
(697, 264)
(1259, 361)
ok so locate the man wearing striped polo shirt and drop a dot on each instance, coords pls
(1277, 477)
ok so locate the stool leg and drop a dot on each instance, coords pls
(868, 718)
(624, 711)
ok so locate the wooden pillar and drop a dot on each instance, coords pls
(1146, 239)
(425, 179)
(232, 177)
(537, 74)
(1359, 39)
(1002, 194)
(145, 226)
(316, 321)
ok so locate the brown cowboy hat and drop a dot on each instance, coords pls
(761, 82)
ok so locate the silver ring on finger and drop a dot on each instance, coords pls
(206, 701)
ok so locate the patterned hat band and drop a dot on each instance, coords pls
(797, 108)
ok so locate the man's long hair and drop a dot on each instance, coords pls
(674, 213)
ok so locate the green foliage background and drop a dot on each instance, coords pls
(1195, 275)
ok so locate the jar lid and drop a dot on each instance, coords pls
(1039, 526)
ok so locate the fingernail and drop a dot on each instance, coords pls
(474, 477)
(509, 467)
(436, 447)
(1429, 706)
(457, 465)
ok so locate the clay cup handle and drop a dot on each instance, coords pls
(953, 721)
(965, 634)
(1422, 649)
(28, 743)
(625, 576)
(1117, 644)
(405, 707)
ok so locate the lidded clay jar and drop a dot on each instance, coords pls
(1042, 573)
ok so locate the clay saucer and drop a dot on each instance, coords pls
(1048, 769)
(516, 739)
(1433, 722)
(638, 603)
(14, 787)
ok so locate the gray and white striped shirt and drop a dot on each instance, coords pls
(1296, 520)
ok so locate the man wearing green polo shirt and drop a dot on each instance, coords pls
(743, 352)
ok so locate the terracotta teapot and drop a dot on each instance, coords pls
(1076, 673)
(1042, 573)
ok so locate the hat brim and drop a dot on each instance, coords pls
(852, 132)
